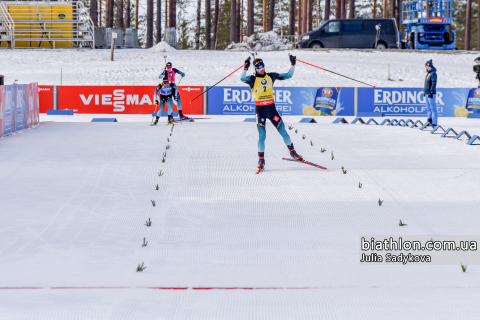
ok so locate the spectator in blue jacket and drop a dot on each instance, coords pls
(429, 91)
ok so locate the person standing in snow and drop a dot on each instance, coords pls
(167, 91)
(261, 84)
(169, 73)
(429, 91)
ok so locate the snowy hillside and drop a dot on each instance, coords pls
(141, 67)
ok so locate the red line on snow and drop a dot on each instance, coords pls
(161, 288)
(15, 288)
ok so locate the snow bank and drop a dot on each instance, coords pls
(163, 47)
(268, 41)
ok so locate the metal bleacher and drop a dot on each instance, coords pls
(40, 24)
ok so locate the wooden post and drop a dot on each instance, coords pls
(136, 14)
(265, 15)
(166, 15)
(468, 24)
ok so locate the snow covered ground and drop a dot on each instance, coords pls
(141, 67)
(75, 196)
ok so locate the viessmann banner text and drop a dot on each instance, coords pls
(122, 99)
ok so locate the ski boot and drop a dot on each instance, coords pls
(170, 119)
(261, 161)
(182, 116)
(429, 120)
(294, 153)
(156, 121)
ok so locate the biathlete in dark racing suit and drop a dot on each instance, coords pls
(167, 91)
(261, 84)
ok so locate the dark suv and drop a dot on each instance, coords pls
(353, 33)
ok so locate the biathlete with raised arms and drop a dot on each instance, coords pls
(261, 84)
(167, 91)
(169, 73)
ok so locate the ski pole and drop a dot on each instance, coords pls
(217, 83)
(151, 123)
(334, 73)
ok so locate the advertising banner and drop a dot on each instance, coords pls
(8, 107)
(30, 105)
(2, 110)
(450, 102)
(19, 91)
(288, 100)
(473, 103)
(122, 99)
(332, 101)
(13, 107)
(45, 95)
(36, 102)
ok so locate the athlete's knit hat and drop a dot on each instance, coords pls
(258, 62)
(169, 64)
(429, 63)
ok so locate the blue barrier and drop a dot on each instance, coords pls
(415, 124)
(60, 112)
(250, 120)
(464, 132)
(386, 121)
(370, 121)
(407, 122)
(393, 122)
(308, 120)
(104, 120)
(472, 140)
(358, 120)
(340, 120)
(474, 115)
(400, 123)
(436, 128)
(448, 131)
(426, 125)
(370, 114)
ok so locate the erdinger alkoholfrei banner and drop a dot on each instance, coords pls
(473, 102)
(450, 102)
(295, 101)
(122, 99)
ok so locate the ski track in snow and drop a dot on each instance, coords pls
(75, 197)
(205, 68)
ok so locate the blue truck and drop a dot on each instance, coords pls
(428, 24)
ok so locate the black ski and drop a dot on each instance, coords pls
(306, 162)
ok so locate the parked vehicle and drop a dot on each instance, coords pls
(429, 24)
(353, 33)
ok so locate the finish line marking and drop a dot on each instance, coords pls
(160, 288)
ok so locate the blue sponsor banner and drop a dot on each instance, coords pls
(473, 102)
(450, 102)
(8, 110)
(288, 100)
